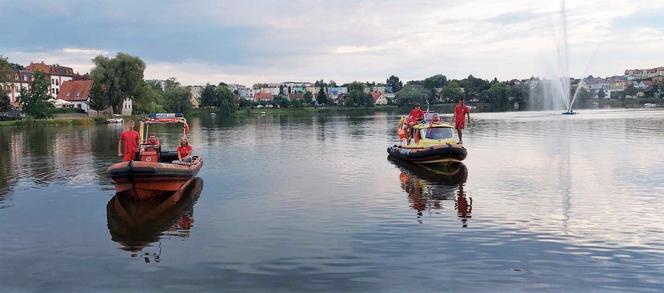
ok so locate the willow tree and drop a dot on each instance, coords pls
(226, 99)
(116, 79)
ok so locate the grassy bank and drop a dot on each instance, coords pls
(51, 122)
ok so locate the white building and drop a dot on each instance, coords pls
(55, 74)
(379, 98)
(127, 107)
(336, 91)
(379, 88)
(247, 93)
(195, 97)
(17, 80)
(275, 91)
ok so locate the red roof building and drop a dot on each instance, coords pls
(379, 98)
(75, 90)
(263, 97)
(56, 74)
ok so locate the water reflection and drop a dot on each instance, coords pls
(137, 224)
(428, 185)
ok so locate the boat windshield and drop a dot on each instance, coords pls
(437, 133)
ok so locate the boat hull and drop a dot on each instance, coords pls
(145, 180)
(445, 153)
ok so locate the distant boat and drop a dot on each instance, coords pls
(116, 118)
(262, 113)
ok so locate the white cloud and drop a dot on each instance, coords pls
(370, 40)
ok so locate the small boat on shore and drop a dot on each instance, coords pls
(116, 118)
(154, 172)
(430, 142)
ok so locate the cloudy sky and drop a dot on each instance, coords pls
(199, 41)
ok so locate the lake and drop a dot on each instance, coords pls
(312, 203)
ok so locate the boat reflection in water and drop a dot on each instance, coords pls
(136, 224)
(429, 185)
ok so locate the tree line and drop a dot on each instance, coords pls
(437, 89)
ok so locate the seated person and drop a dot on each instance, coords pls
(152, 143)
(184, 150)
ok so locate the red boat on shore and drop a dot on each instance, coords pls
(154, 172)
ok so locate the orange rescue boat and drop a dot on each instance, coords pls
(154, 172)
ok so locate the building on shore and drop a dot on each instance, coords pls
(56, 75)
(195, 96)
(336, 91)
(76, 93)
(263, 97)
(15, 81)
(379, 98)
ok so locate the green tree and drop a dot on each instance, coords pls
(244, 103)
(98, 99)
(452, 91)
(209, 96)
(17, 67)
(5, 103)
(226, 99)
(171, 83)
(499, 93)
(148, 99)
(476, 88)
(177, 100)
(34, 101)
(5, 71)
(298, 103)
(521, 94)
(117, 78)
(357, 96)
(280, 101)
(436, 81)
(394, 82)
(308, 97)
(412, 94)
(583, 98)
(321, 98)
(601, 94)
(355, 86)
(631, 91)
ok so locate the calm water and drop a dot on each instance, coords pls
(304, 203)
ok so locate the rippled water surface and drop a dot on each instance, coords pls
(310, 203)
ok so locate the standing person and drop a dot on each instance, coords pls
(460, 113)
(130, 139)
(184, 150)
(415, 115)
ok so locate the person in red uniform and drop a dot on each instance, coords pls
(460, 113)
(184, 150)
(129, 138)
(415, 115)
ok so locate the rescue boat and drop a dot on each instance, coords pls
(430, 141)
(154, 172)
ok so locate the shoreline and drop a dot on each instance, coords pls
(443, 108)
